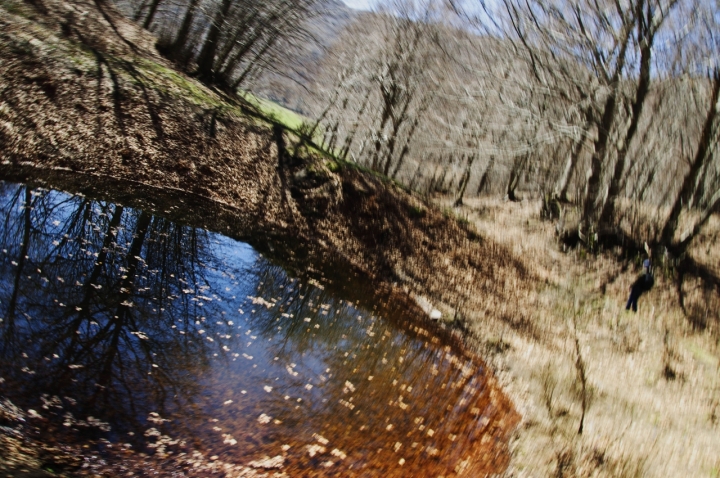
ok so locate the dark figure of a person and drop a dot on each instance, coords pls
(643, 284)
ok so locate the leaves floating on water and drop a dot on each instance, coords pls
(268, 463)
(373, 361)
(315, 449)
(321, 439)
(154, 417)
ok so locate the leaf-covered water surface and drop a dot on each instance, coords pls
(125, 329)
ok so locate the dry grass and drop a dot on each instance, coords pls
(653, 378)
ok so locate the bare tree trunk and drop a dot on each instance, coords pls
(693, 177)
(594, 183)
(177, 48)
(562, 184)
(333, 101)
(351, 135)
(707, 213)
(424, 105)
(333, 137)
(464, 181)
(151, 14)
(229, 46)
(438, 184)
(375, 163)
(416, 176)
(206, 59)
(486, 175)
(228, 68)
(392, 141)
(137, 15)
(253, 64)
(561, 189)
(515, 175)
(608, 210)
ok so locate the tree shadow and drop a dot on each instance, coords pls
(101, 6)
(153, 110)
(697, 314)
(119, 96)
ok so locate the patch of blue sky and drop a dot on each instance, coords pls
(360, 4)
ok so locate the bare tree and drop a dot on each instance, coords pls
(226, 42)
(650, 17)
(383, 105)
(400, 67)
(692, 191)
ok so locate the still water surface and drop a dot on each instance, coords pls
(126, 329)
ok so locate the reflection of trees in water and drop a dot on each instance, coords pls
(93, 298)
(105, 304)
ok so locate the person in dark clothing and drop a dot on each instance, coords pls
(643, 284)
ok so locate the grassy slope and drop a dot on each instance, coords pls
(276, 112)
(653, 378)
(100, 100)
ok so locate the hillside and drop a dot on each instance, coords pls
(108, 105)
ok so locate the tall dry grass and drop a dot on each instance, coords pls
(645, 385)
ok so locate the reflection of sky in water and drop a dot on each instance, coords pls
(177, 339)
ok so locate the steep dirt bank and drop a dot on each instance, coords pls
(84, 93)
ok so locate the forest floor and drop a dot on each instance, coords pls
(84, 92)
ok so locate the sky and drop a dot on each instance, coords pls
(359, 4)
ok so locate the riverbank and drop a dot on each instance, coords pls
(85, 93)
(86, 97)
(107, 106)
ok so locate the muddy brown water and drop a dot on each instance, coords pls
(124, 328)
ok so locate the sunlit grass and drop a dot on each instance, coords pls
(288, 118)
(168, 80)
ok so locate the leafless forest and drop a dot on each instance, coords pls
(607, 110)
(610, 106)
(226, 43)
